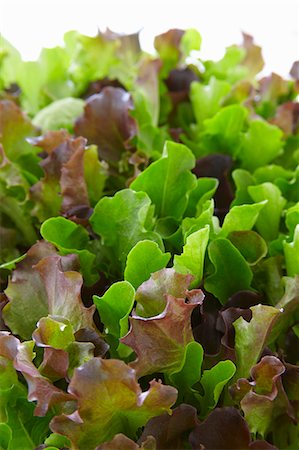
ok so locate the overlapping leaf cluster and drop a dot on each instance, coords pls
(149, 247)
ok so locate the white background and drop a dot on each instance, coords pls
(33, 24)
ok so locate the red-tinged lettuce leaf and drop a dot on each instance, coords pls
(294, 72)
(49, 141)
(129, 45)
(19, 428)
(63, 188)
(252, 337)
(69, 237)
(272, 90)
(225, 428)
(107, 123)
(26, 284)
(122, 221)
(14, 209)
(63, 289)
(72, 181)
(253, 59)
(170, 432)
(287, 118)
(160, 341)
(174, 45)
(55, 364)
(110, 401)
(40, 389)
(62, 350)
(121, 442)
(43, 284)
(151, 295)
(264, 400)
(167, 44)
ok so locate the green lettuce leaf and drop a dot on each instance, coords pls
(231, 271)
(192, 259)
(174, 181)
(144, 259)
(252, 337)
(122, 221)
(59, 114)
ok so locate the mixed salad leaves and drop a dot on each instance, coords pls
(149, 247)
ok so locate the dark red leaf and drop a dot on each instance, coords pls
(107, 123)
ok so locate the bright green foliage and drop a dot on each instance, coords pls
(291, 252)
(222, 133)
(190, 371)
(269, 219)
(114, 308)
(213, 382)
(144, 259)
(173, 181)
(231, 271)
(95, 174)
(262, 143)
(241, 218)
(206, 99)
(192, 259)
(114, 216)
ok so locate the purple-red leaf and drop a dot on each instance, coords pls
(107, 123)
(160, 341)
(43, 284)
(121, 442)
(225, 429)
(170, 431)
